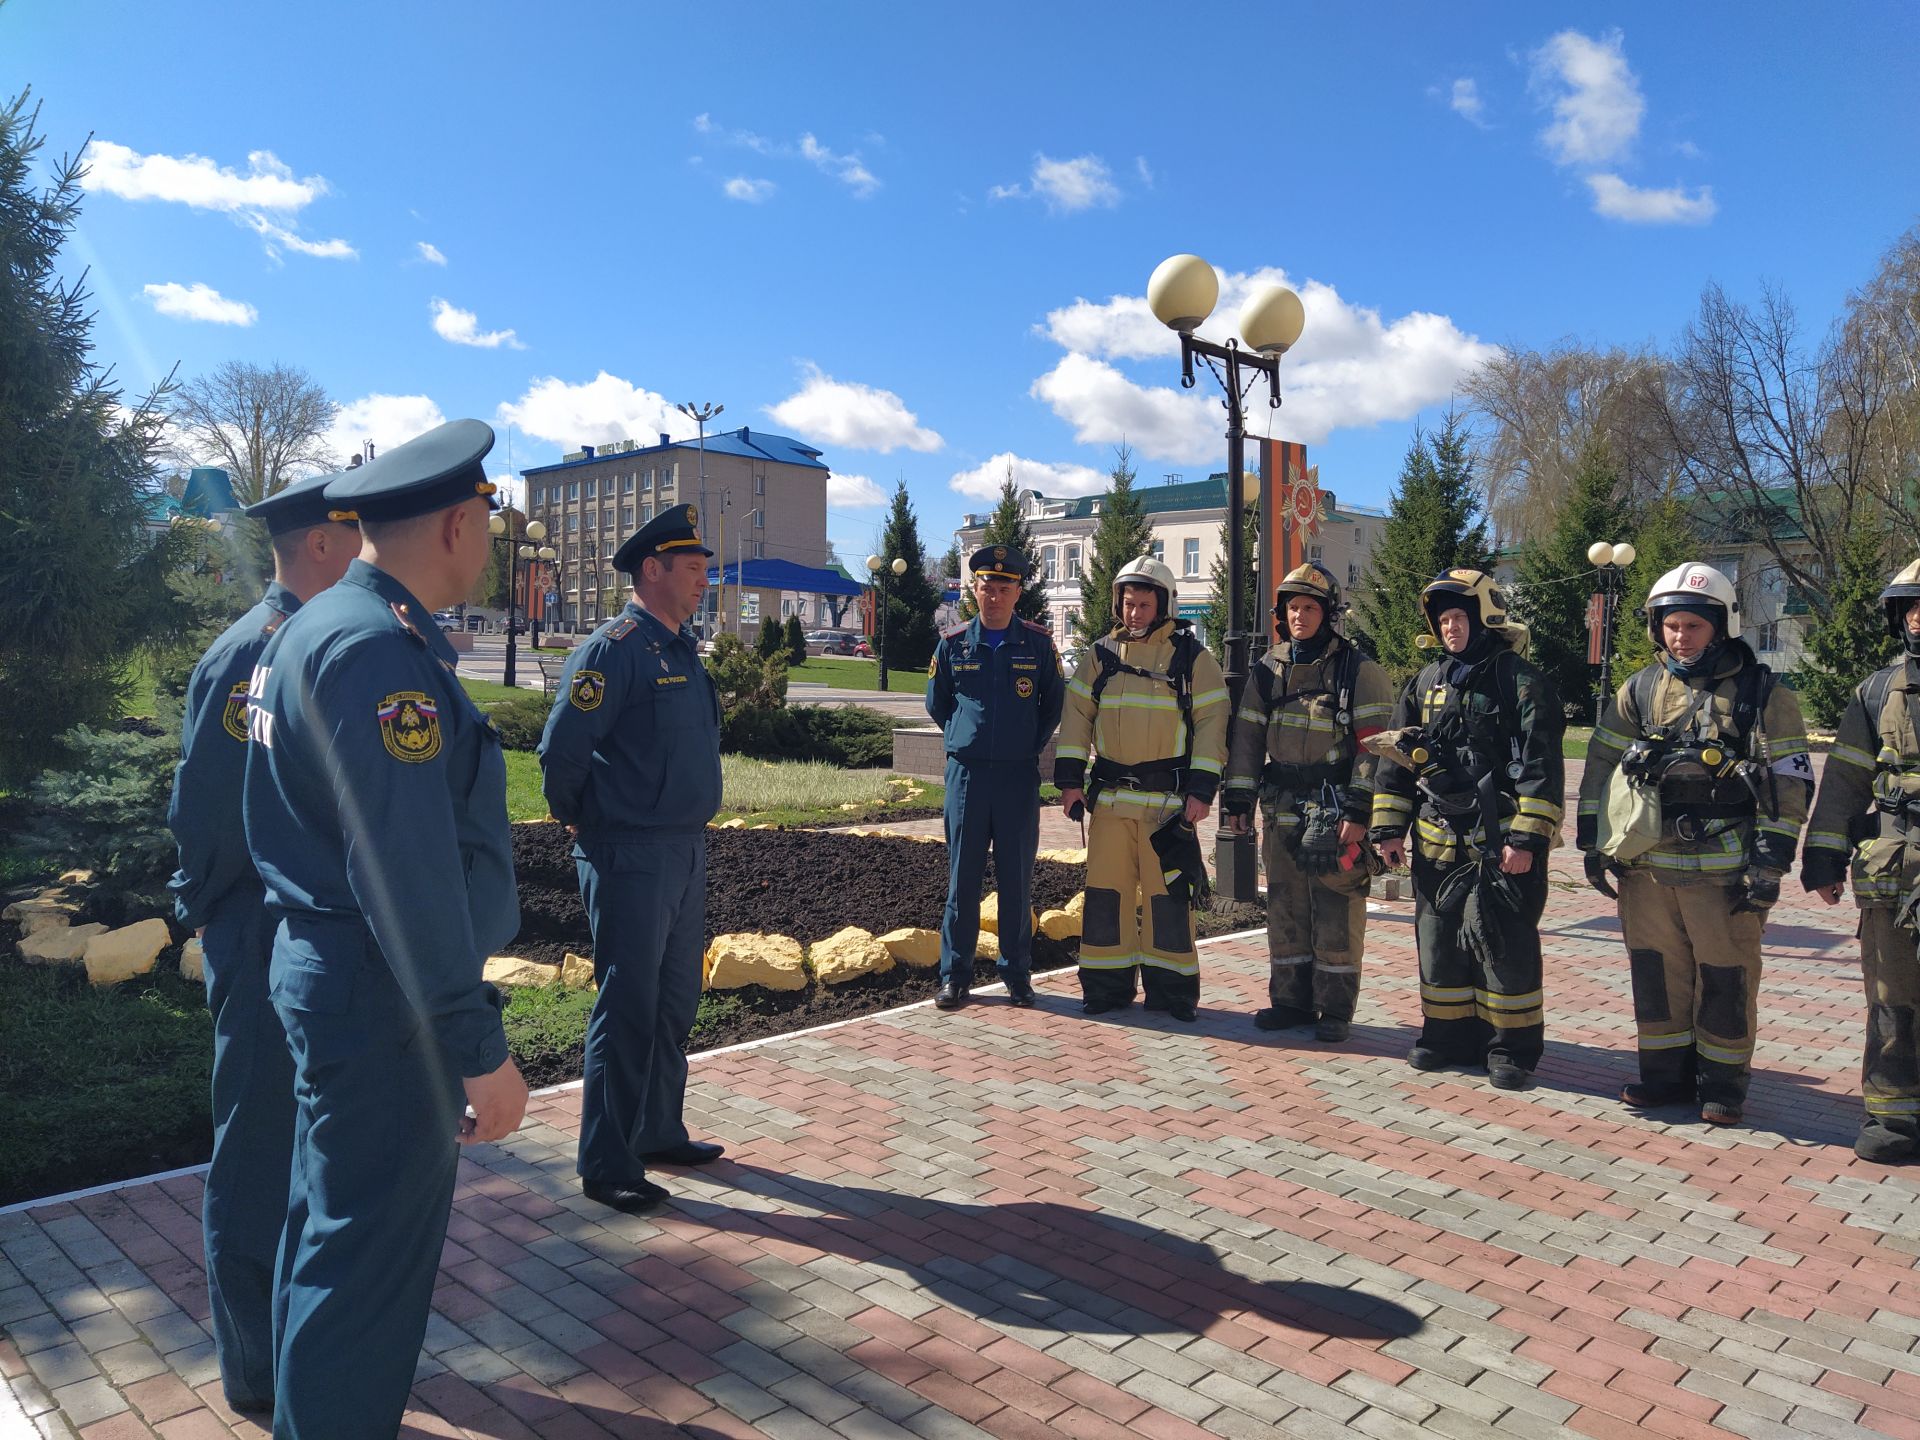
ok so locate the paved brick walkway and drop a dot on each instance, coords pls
(1027, 1223)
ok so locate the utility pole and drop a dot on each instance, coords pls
(700, 414)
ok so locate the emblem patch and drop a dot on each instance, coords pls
(693, 516)
(999, 552)
(233, 716)
(410, 726)
(1023, 687)
(589, 688)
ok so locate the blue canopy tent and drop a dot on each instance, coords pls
(771, 574)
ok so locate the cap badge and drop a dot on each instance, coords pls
(693, 516)
(999, 552)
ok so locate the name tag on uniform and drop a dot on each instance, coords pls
(669, 679)
(960, 665)
(1026, 665)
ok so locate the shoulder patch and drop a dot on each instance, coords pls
(410, 726)
(233, 715)
(588, 689)
(623, 627)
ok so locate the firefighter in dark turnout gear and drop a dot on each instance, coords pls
(1704, 734)
(1148, 708)
(1485, 807)
(1296, 742)
(1869, 810)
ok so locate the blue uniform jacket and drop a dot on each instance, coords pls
(995, 705)
(376, 805)
(633, 743)
(205, 812)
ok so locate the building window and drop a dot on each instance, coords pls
(626, 485)
(593, 518)
(1314, 552)
(1047, 563)
(573, 489)
(626, 516)
(573, 520)
(1073, 562)
(1160, 550)
(759, 519)
(535, 494)
(760, 483)
(590, 485)
(1190, 557)
(759, 549)
(646, 512)
(1353, 573)
(1072, 621)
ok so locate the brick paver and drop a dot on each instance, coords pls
(1022, 1223)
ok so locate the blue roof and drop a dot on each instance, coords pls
(775, 574)
(746, 442)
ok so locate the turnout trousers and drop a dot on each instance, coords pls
(995, 806)
(375, 1148)
(1890, 1072)
(1696, 985)
(1316, 929)
(1131, 923)
(647, 902)
(1482, 1006)
(244, 1211)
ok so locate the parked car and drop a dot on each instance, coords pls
(862, 650)
(830, 642)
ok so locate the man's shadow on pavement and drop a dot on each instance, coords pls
(1046, 1261)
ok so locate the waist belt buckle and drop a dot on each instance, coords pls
(1129, 782)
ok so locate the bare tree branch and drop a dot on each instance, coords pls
(267, 426)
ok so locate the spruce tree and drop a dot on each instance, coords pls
(772, 641)
(1251, 609)
(85, 580)
(1435, 523)
(794, 640)
(1555, 579)
(1663, 538)
(1007, 526)
(912, 597)
(1123, 534)
(1852, 641)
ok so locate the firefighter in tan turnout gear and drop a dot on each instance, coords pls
(1297, 737)
(1696, 787)
(1148, 708)
(1869, 809)
(1484, 794)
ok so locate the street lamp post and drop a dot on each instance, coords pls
(700, 414)
(880, 569)
(501, 532)
(1611, 561)
(1182, 294)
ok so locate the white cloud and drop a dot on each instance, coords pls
(603, 409)
(269, 188)
(387, 420)
(199, 302)
(462, 327)
(849, 169)
(983, 482)
(430, 253)
(1596, 100)
(1067, 185)
(1466, 102)
(853, 492)
(1349, 368)
(1144, 170)
(198, 181)
(1618, 200)
(853, 416)
(741, 187)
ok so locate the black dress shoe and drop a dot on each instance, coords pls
(1185, 1014)
(1023, 998)
(634, 1198)
(250, 1407)
(951, 997)
(687, 1152)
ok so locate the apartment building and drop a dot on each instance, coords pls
(765, 501)
(1186, 519)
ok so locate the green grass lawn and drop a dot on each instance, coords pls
(760, 792)
(1574, 745)
(844, 674)
(485, 692)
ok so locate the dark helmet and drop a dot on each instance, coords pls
(1314, 581)
(1901, 592)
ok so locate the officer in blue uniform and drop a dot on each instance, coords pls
(995, 688)
(218, 896)
(631, 765)
(376, 814)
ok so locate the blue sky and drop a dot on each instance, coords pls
(919, 237)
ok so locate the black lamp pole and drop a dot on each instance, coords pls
(884, 593)
(1236, 370)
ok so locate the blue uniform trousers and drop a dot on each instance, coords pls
(647, 903)
(375, 1151)
(997, 805)
(245, 1208)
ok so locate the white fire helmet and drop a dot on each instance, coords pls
(1689, 585)
(1146, 571)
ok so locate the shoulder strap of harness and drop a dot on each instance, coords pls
(1874, 691)
(1179, 673)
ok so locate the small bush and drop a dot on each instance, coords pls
(108, 812)
(521, 721)
(851, 738)
(772, 641)
(796, 641)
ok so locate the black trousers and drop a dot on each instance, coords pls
(1480, 974)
